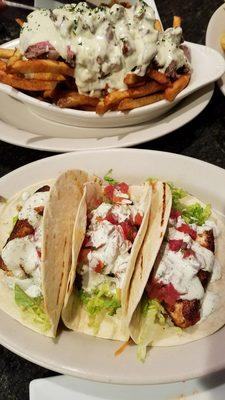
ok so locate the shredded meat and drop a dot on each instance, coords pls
(4, 267)
(21, 229)
(45, 188)
(206, 239)
(39, 210)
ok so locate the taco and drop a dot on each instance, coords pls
(182, 292)
(108, 233)
(36, 228)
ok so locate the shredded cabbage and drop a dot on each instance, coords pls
(33, 308)
(99, 303)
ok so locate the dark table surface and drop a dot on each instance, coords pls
(203, 138)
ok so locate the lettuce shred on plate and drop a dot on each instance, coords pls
(100, 302)
(32, 308)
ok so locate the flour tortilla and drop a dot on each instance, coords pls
(74, 314)
(58, 221)
(215, 320)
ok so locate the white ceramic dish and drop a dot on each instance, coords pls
(214, 67)
(67, 388)
(92, 358)
(23, 128)
(215, 29)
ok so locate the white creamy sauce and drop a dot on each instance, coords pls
(22, 255)
(217, 273)
(107, 43)
(208, 305)
(181, 272)
(109, 247)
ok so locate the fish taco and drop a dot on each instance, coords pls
(36, 227)
(108, 233)
(179, 298)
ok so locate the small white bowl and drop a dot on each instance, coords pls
(207, 64)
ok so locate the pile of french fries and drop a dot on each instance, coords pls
(53, 81)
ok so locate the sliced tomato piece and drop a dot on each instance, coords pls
(129, 230)
(111, 218)
(123, 187)
(87, 242)
(99, 267)
(174, 214)
(163, 292)
(108, 191)
(175, 245)
(185, 228)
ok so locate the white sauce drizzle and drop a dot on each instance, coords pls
(107, 43)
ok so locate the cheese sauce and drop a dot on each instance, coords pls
(104, 43)
(22, 256)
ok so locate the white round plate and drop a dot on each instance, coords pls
(214, 67)
(93, 358)
(21, 127)
(216, 28)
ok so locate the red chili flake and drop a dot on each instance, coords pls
(188, 253)
(175, 245)
(187, 229)
(129, 230)
(162, 292)
(138, 219)
(83, 255)
(99, 267)
(174, 214)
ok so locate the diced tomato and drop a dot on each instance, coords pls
(108, 191)
(99, 267)
(187, 229)
(118, 200)
(138, 219)
(83, 255)
(129, 230)
(174, 214)
(188, 253)
(111, 218)
(97, 203)
(166, 293)
(123, 187)
(175, 245)
(38, 253)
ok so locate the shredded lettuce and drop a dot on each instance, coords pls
(193, 213)
(15, 219)
(153, 319)
(99, 303)
(108, 178)
(32, 308)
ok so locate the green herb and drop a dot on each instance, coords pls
(15, 219)
(108, 178)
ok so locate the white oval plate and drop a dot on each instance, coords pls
(216, 28)
(214, 67)
(23, 128)
(92, 358)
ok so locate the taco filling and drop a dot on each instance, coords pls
(175, 295)
(106, 251)
(20, 258)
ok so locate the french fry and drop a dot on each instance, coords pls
(176, 87)
(15, 57)
(6, 53)
(158, 77)
(158, 26)
(20, 22)
(176, 21)
(51, 93)
(133, 79)
(2, 66)
(101, 108)
(45, 76)
(130, 104)
(25, 84)
(75, 99)
(222, 41)
(51, 66)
